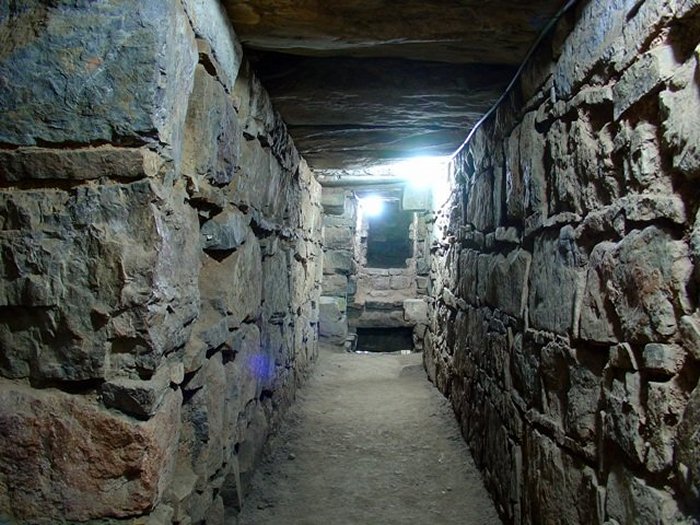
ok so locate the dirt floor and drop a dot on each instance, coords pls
(369, 441)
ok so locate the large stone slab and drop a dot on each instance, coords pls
(102, 271)
(338, 261)
(556, 281)
(636, 287)
(679, 103)
(277, 299)
(558, 487)
(526, 187)
(233, 286)
(79, 164)
(630, 499)
(64, 458)
(332, 322)
(369, 28)
(212, 142)
(335, 285)
(503, 281)
(100, 72)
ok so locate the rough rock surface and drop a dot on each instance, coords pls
(350, 112)
(459, 32)
(55, 448)
(365, 82)
(568, 347)
(160, 263)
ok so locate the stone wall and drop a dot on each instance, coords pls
(160, 263)
(355, 295)
(565, 325)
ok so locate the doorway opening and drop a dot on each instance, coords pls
(384, 339)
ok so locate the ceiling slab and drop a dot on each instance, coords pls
(365, 82)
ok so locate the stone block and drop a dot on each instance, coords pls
(526, 187)
(687, 456)
(335, 285)
(556, 282)
(212, 142)
(277, 292)
(202, 439)
(468, 275)
(680, 105)
(582, 404)
(338, 238)
(332, 322)
(226, 231)
(583, 176)
(244, 375)
(479, 205)
(508, 235)
(595, 323)
(333, 201)
(260, 182)
(255, 111)
(653, 207)
(415, 311)
(558, 487)
(525, 370)
(79, 164)
(622, 357)
(663, 359)
(624, 417)
(650, 70)
(639, 142)
(631, 500)
(400, 282)
(338, 261)
(600, 26)
(416, 199)
(135, 397)
(665, 404)
(230, 288)
(211, 23)
(502, 281)
(690, 335)
(64, 458)
(104, 270)
(636, 285)
(130, 84)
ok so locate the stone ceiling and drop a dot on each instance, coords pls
(366, 82)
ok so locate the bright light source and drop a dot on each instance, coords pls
(422, 172)
(372, 206)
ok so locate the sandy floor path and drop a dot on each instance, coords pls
(369, 441)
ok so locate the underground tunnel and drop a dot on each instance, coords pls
(352, 262)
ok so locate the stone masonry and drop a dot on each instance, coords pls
(355, 295)
(565, 325)
(160, 263)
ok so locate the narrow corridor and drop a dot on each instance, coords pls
(369, 441)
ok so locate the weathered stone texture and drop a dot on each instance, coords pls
(95, 272)
(212, 142)
(568, 347)
(130, 84)
(56, 448)
(161, 262)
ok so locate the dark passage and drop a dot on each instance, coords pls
(388, 242)
(384, 339)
